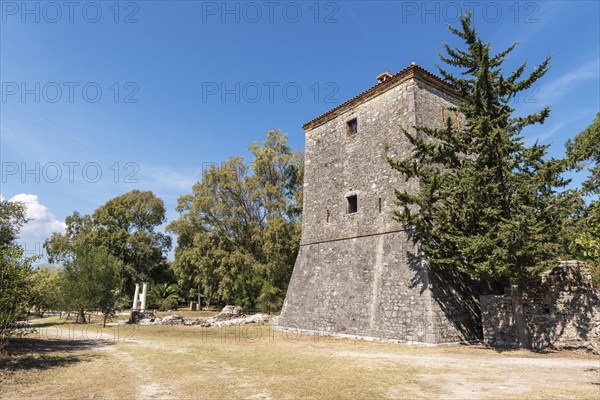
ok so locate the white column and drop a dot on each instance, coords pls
(144, 292)
(136, 297)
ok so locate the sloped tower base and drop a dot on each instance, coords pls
(372, 286)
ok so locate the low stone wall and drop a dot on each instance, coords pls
(562, 311)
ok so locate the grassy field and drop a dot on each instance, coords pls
(64, 360)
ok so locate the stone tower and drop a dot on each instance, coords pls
(357, 273)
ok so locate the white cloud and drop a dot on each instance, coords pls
(42, 222)
(556, 89)
(548, 133)
(165, 179)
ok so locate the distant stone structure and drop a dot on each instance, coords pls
(562, 311)
(357, 272)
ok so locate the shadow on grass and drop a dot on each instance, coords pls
(45, 324)
(514, 349)
(22, 354)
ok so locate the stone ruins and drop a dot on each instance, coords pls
(562, 311)
(139, 300)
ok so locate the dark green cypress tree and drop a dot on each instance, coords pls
(487, 203)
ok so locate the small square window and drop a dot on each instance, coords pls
(352, 127)
(351, 204)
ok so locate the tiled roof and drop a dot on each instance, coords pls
(412, 71)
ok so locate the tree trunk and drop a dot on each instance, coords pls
(521, 326)
(104, 321)
(82, 316)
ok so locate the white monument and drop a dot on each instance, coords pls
(139, 301)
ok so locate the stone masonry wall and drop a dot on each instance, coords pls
(562, 311)
(359, 286)
(337, 165)
(359, 274)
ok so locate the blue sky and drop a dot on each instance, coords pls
(99, 99)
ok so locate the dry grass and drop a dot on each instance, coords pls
(260, 363)
(52, 369)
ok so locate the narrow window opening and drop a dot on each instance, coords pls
(452, 114)
(352, 127)
(328, 215)
(380, 204)
(351, 204)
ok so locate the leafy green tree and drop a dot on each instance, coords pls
(46, 293)
(79, 233)
(91, 281)
(15, 272)
(487, 204)
(12, 218)
(584, 150)
(582, 230)
(125, 226)
(15, 269)
(163, 296)
(587, 240)
(239, 231)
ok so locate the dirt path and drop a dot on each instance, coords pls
(460, 375)
(160, 362)
(145, 381)
(470, 376)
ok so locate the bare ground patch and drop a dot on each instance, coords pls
(163, 362)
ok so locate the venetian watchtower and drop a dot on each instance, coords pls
(357, 273)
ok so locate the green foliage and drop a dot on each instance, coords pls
(163, 296)
(582, 237)
(15, 269)
(125, 226)
(91, 281)
(270, 298)
(46, 291)
(581, 229)
(588, 243)
(15, 272)
(239, 231)
(584, 150)
(12, 218)
(595, 271)
(487, 204)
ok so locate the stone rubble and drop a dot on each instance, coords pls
(230, 315)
